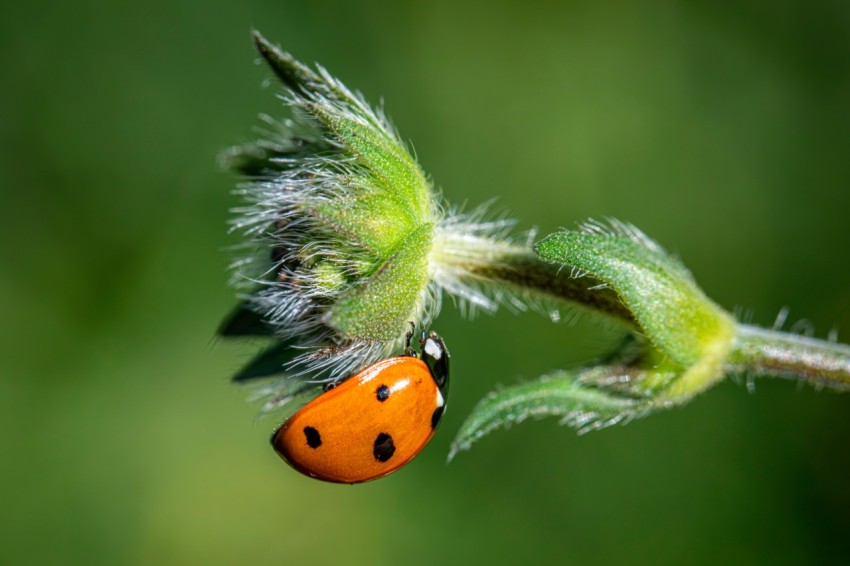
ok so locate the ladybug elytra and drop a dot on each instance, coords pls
(374, 422)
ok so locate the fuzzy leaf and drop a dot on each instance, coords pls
(569, 395)
(672, 310)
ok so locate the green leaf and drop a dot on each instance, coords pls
(692, 336)
(569, 395)
(672, 310)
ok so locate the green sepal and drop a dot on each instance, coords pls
(380, 307)
(368, 219)
(294, 74)
(269, 158)
(376, 148)
(389, 164)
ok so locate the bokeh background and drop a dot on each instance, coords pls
(722, 131)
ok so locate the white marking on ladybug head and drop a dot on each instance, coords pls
(433, 349)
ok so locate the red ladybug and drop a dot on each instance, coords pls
(373, 423)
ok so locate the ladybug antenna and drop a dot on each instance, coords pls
(408, 351)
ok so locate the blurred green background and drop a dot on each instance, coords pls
(723, 132)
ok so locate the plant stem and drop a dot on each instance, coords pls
(755, 351)
(769, 353)
(521, 268)
(490, 261)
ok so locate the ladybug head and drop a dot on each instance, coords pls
(436, 357)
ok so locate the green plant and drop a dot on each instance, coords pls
(348, 242)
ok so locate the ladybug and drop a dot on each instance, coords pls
(374, 422)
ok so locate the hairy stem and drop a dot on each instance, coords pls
(489, 261)
(769, 353)
(521, 268)
(755, 351)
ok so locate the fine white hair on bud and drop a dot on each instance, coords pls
(346, 241)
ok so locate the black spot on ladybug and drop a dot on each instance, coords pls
(436, 416)
(383, 393)
(384, 447)
(314, 439)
